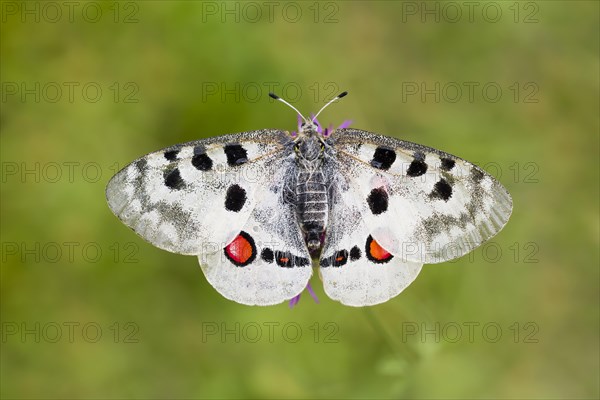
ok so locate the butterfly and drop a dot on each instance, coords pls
(258, 207)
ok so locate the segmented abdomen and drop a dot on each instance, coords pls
(311, 195)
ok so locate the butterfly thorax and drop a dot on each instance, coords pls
(311, 189)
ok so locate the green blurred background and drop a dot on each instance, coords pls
(89, 310)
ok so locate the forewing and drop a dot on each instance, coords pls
(421, 204)
(268, 262)
(185, 197)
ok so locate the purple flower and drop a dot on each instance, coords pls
(345, 124)
(294, 300)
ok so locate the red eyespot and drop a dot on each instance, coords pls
(241, 251)
(376, 253)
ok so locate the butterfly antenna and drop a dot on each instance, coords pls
(274, 96)
(339, 96)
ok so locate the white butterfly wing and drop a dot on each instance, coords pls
(353, 268)
(278, 262)
(420, 204)
(222, 199)
(187, 196)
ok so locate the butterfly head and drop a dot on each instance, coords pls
(309, 146)
(310, 128)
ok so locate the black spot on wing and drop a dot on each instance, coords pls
(441, 190)
(383, 158)
(285, 259)
(338, 259)
(236, 154)
(235, 198)
(171, 155)
(447, 164)
(267, 255)
(378, 201)
(416, 168)
(173, 179)
(476, 175)
(141, 165)
(201, 160)
(355, 253)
